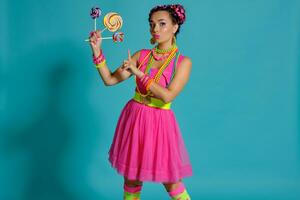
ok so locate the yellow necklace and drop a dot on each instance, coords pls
(161, 69)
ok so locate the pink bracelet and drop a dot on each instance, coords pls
(99, 59)
(144, 79)
(145, 82)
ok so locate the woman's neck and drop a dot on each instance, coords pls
(165, 45)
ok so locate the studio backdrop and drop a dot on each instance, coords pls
(238, 114)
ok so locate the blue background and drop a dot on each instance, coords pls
(239, 113)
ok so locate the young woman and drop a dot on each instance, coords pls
(147, 145)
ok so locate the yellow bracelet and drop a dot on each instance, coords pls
(149, 84)
(101, 64)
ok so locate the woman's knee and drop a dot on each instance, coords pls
(171, 186)
(132, 182)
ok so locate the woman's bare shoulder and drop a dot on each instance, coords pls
(186, 62)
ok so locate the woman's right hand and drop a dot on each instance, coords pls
(95, 42)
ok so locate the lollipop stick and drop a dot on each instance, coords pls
(104, 38)
(104, 29)
(95, 23)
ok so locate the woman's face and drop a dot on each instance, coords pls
(161, 26)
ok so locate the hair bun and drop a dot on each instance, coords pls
(180, 12)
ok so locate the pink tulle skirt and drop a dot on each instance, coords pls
(148, 145)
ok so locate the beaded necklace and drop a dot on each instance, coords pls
(161, 51)
(161, 69)
(165, 52)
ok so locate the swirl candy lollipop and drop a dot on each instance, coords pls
(112, 21)
(95, 13)
(118, 37)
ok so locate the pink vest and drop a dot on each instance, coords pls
(167, 73)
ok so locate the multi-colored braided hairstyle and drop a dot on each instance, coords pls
(176, 11)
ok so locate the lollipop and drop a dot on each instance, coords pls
(112, 21)
(118, 37)
(95, 13)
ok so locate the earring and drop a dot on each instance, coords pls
(174, 40)
(152, 41)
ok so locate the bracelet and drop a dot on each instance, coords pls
(141, 83)
(149, 83)
(146, 81)
(102, 64)
(99, 59)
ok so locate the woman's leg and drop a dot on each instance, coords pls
(177, 191)
(132, 189)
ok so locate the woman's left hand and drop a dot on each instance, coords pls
(130, 65)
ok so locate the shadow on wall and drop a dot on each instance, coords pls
(298, 92)
(45, 140)
(48, 134)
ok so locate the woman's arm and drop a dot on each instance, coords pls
(118, 75)
(179, 81)
(165, 94)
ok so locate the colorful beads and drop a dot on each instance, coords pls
(162, 51)
(165, 52)
(146, 82)
(99, 59)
